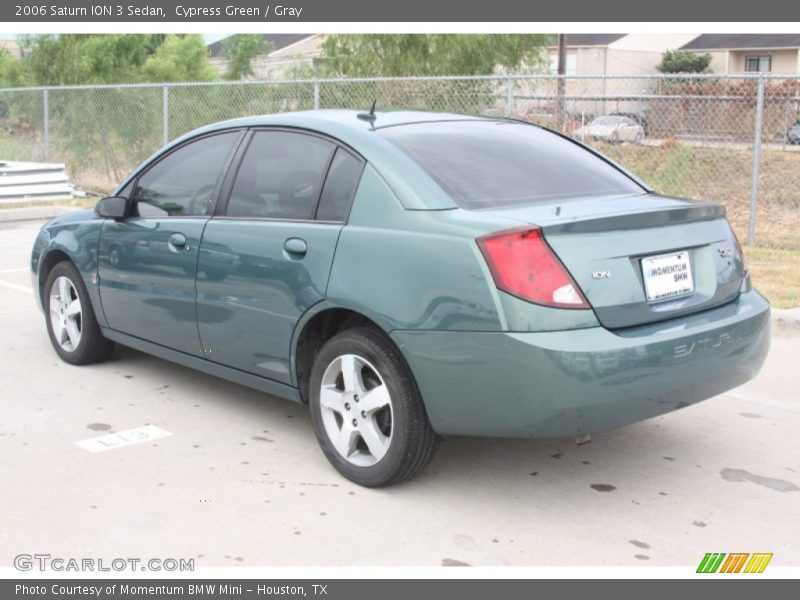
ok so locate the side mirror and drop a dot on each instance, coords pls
(113, 207)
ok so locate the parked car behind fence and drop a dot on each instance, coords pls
(612, 129)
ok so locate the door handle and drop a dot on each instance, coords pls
(178, 240)
(295, 246)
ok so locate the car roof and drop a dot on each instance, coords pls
(349, 118)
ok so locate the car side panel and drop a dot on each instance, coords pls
(251, 292)
(77, 235)
(149, 290)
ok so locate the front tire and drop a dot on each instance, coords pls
(71, 322)
(367, 413)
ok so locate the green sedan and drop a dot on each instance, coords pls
(408, 275)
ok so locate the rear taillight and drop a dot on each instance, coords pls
(524, 265)
(745, 269)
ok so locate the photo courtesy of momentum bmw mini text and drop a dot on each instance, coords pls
(326, 299)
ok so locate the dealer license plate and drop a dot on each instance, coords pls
(667, 275)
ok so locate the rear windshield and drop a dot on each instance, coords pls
(481, 164)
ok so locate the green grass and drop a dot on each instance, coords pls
(17, 148)
(723, 176)
(776, 274)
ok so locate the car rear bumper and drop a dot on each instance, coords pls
(564, 383)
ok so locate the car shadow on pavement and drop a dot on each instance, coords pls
(622, 459)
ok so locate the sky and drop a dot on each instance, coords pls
(209, 38)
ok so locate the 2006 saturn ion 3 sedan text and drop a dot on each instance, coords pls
(406, 275)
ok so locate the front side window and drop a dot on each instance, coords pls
(126, 191)
(183, 183)
(759, 64)
(280, 176)
(482, 164)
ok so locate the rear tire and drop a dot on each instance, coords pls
(71, 322)
(367, 413)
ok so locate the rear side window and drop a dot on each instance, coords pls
(183, 182)
(280, 176)
(340, 186)
(481, 164)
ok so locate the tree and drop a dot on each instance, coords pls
(116, 58)
(85, 59)
(240, 50)
(179, 58)
(11, 72)
(676, 61)
(389, 55)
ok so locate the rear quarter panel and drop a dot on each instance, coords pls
(409, 269)
(423, 270)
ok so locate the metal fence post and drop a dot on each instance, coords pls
(561, 102)
(509, 97)
(165, 98)
(46, 123)
(316, 94)
(751, 229)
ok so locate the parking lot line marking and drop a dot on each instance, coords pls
(14, 242)
(14, 286)
(113, 441)
(16, 311)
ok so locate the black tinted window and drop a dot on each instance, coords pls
(280, 176)
(183, 183)
(340, 185)
(488, 163)
(126, 191)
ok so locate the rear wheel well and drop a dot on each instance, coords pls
(51, 260)
(322, 327)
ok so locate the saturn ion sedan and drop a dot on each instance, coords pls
(408, 275)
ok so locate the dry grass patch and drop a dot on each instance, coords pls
(776, 274)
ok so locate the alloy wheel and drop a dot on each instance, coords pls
(66, 314)
(356, 410)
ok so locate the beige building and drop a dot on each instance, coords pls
(597, 59)
(12, 47)
(615, 53)
(776, 53)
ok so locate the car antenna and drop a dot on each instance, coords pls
(370, 116)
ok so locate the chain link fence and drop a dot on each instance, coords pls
(728, 139)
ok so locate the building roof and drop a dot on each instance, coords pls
(278, 40)
(589, 39)
(737, 41)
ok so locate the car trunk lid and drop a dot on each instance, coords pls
(643, 258)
